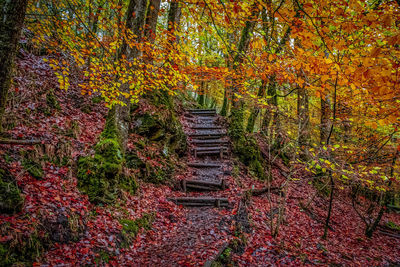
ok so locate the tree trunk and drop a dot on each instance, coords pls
(151, 20)
(201, 100)
(303, 121)
(272, 111)
(242, 48)
(120, 114)
(174, 18)
(12, 19)
(254, 114)
(237, 112)
(224, 109)
(325, 114)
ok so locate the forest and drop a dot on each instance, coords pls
(199, 133)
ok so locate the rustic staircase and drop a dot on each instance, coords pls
(209, 145)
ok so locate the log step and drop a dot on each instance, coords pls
(206, 116)
(200, 201)
(209, 142)
(204, 165)
(210, 151)
(207, 135)
(210, 145)
(210, 148)
(203, 185)
(206, 128)
(200, 110)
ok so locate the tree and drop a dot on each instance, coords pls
(12, 18)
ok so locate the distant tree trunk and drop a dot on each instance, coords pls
(270, 114)
(256, 110)
(224, 109)
(272, 111)
(303, 115)
(325, 123)
(12, 16)
(201, 100)
(345, 112)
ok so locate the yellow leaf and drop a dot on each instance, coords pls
(324, 78)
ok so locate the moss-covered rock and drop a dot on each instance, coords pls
(102, 176)
(164, 128)
(157, 169)
(249, 153)
(102, 179)
(11, 200)
(245, 146)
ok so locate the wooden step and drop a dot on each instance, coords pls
(207, 135)
(220, 153)
(212, 148)
(209, 142)
(198, 151)
(200, 201)
(204, 165)
(203, 185)
(200, 110)
(207, 127)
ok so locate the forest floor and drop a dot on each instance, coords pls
(178, 236)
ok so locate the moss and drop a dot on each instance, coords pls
(103, 257)
(236, 129)
(157, 174)
(101, 179)
(164, 129)
(97, 99)
(130, 228)
(249, 153)
(101, 176)
(52, 101)
(110, 157)
(393, 226)
(226, 256)
(72, 130)
(110, 129)
(11, 200)
(33, 168)
(245, 147)
(22, 253)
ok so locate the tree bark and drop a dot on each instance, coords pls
(304, 120)
(12, 18)
(256, 110)
(120, 114)
(174, 18)
(325, 114)
(151, 20)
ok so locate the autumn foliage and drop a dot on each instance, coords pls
(308, 92)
